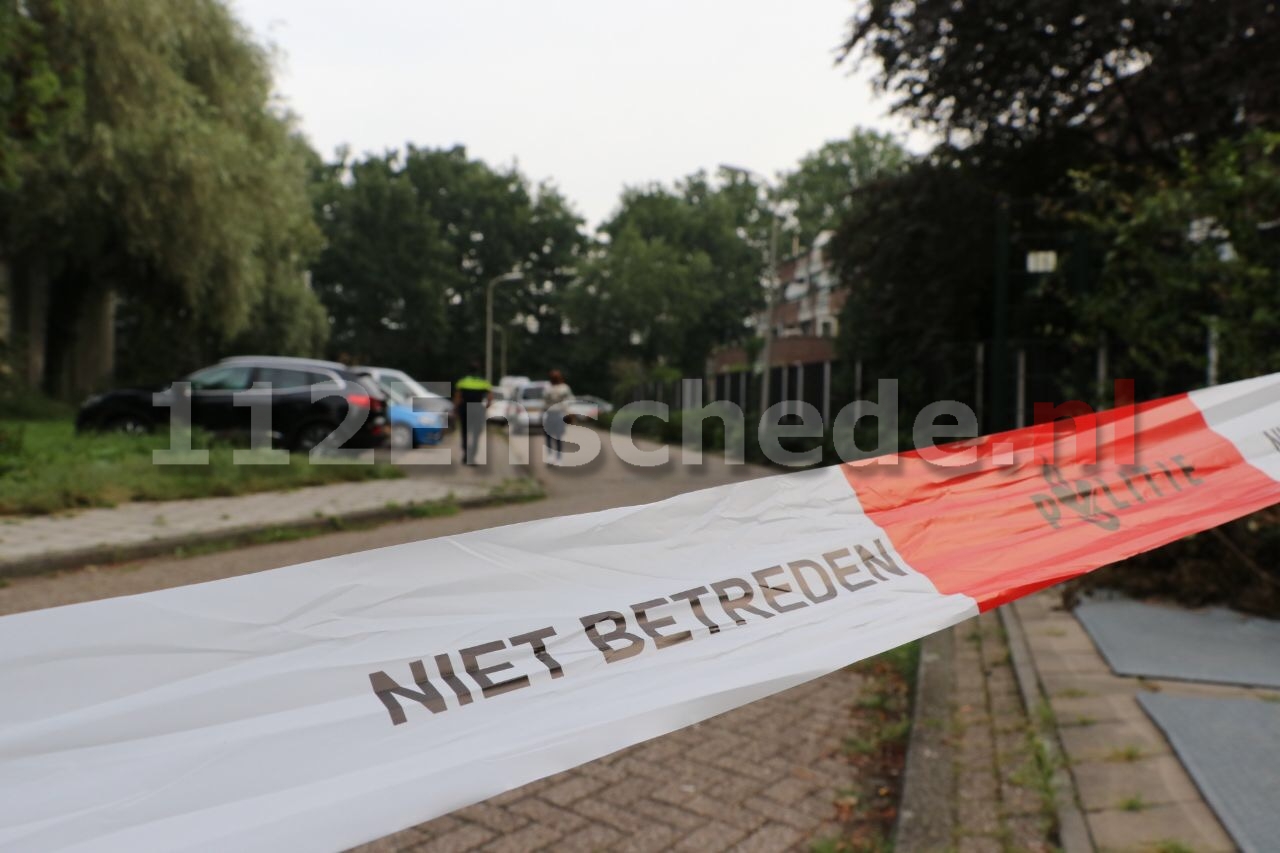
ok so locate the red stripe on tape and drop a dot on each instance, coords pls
(1013, 522)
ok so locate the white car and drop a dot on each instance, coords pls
(500, 406)
(528, 404)
(589, 404)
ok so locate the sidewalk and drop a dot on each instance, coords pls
(33, 544)
(976, 781)
(1135, 793)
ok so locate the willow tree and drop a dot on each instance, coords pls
(178, 190)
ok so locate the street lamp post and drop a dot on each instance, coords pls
(488, 319)
(502, 350)
(766, 352)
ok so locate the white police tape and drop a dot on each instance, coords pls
(325, 704)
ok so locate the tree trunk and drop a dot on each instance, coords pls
(28, 321)
(80, 342)
(93, 352)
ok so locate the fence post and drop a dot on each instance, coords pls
(1022, 388)
(979, 374)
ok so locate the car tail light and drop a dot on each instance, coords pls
(363, 401)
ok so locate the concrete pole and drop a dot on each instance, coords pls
(488, 320)
(488, 331)
(767, 354)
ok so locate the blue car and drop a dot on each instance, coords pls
(416, 421)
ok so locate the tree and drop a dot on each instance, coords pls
(917, 253)
(40, 90)
(385, 268)
(823, 184)
(414, 239)
(1188, 256)
(178, 187)
(678, 275)
(1131, 77)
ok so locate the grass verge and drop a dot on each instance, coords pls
(45, 467)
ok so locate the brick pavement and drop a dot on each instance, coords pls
(764, 777)
(999, 783)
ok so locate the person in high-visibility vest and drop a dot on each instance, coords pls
(472, 395)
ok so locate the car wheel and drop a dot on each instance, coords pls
(401, 437)
(311, 435)
(128, 423)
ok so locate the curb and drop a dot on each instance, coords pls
(926, 813)
(1073, 831)
(243, 534)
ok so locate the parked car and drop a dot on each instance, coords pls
(424, 400)
(410, 426)
(500, 406)
(309, 399)
(528, 404)
(583, 407)
(602, 407)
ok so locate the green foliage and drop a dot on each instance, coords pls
(678, 276)
(178, 185)
(384, 271)
(918, 252)
(413, 240)
(1126, 77)
(1188, 251)
(21, 405)
(39, 87)
(50, 469)
(823, 185)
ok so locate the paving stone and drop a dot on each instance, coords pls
(1086, 662)
(540, 811)
(601, 812)
(1017, 800)
(1101, 741)
(1113, 707)
(979, 815)
(769, 839)
(531, 837)
(571, 790)
(979, 844)
(492, 817)
(1028, 834)
(651, 839)
(1158, 779)
(1070, 685)
(590, 839)
(710, 836)
(1189, 824)
(788, 791)
(468, 837)
(668, 815)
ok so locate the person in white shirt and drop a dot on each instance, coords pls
(553, 419)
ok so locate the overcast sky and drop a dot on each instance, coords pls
(593, 95)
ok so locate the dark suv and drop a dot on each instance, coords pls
(308, 401)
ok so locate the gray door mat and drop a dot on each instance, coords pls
(1231, 748)
(1160, 641)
